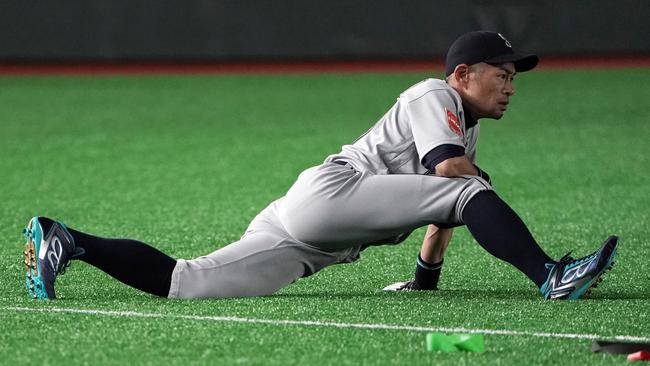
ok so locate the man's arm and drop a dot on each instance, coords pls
(453, 167)
(436, 240)
(460, 165)
(435, 244)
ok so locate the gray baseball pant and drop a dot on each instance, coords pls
(328, 216)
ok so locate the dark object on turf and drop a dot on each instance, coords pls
(621, 348)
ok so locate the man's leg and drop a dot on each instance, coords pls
(131, 262)
(53, 245)
(486, 216)
(498, 229)
(263, 261)
(259, 264)
(334, 206)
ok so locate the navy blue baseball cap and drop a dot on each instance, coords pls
(489, 47)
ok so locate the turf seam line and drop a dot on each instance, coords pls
(368, 326)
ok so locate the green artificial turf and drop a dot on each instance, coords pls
(185, 162)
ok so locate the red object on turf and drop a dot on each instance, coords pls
(639, 356)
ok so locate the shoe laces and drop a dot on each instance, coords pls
(62, 269)
(568, 262)
(78, 252)
(573, 262)
(565, 260)
(410, 285)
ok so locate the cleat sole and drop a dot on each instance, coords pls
(33, 282)
(30, 265)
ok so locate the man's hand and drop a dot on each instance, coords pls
(483, 174)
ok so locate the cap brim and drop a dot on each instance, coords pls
(522, 62)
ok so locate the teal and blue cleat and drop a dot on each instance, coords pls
(48, 251)
(572, 279)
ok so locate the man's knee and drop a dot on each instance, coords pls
(471, 187)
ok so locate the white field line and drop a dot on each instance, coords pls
(313, 323)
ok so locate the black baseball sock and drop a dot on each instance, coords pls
(427, 274)
(129, 261)
(500, 231)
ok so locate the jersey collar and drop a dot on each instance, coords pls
(469, 120)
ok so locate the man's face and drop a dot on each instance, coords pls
(489, 89)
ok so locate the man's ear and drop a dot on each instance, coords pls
(461, 74)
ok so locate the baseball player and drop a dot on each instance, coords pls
(415, 167)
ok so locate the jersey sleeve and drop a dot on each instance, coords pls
(439, 154)
(434, 122)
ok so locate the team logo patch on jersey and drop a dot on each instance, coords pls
(453, 123)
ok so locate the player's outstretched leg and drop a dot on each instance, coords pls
(48, 252)
(498, 229)
(573, 278)
(51, 245)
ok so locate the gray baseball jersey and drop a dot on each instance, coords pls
(375, 191)
(427, 115)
